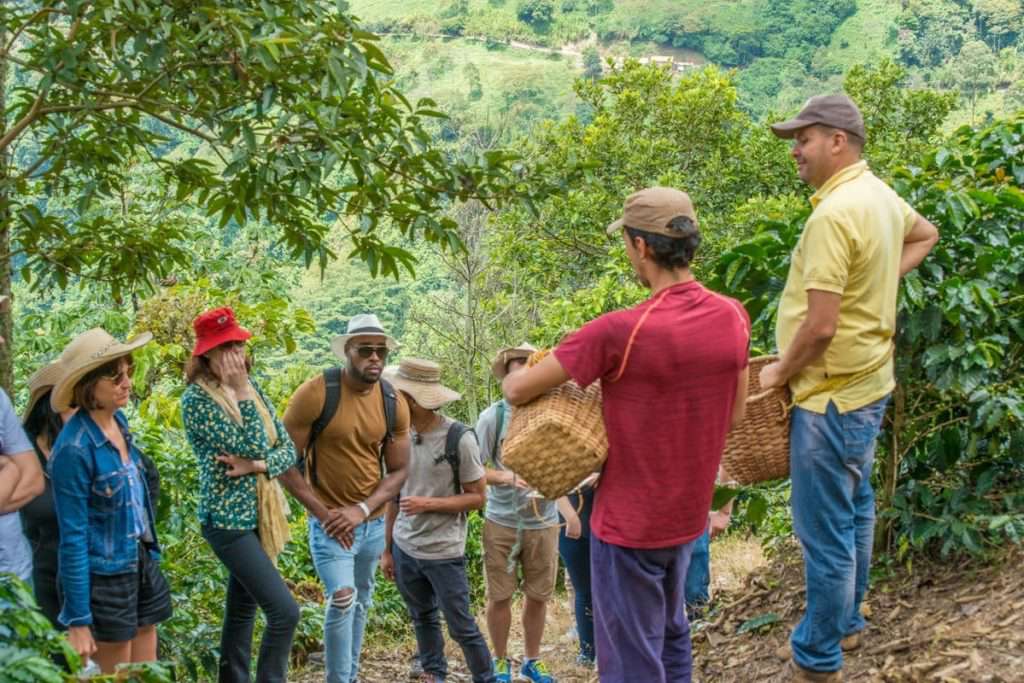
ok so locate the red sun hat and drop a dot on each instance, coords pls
(217, 327)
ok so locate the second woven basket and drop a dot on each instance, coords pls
(557, 440)
(758, 450)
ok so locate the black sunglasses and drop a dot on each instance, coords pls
(368, 351)
(117, 375)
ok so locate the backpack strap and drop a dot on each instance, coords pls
(451, 450)
(332, 399)
(390, 400)
(498, 425)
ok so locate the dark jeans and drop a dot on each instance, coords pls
(639, 613)
(433, 586)
(576, 556)
(253, 581)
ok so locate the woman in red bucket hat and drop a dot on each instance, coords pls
(241, 447)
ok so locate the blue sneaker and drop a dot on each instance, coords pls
(536, 671)
(502, 670)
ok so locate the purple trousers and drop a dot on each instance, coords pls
(640, 624)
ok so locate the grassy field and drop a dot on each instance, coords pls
(864, 38)
(520, 84)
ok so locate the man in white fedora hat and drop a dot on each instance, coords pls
(426, 528)
(352, 431)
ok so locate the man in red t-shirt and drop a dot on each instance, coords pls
(673, 374)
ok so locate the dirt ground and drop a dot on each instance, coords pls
(952, 622)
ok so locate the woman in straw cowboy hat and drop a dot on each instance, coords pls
(425, 551)
(114, 594)
(241, 447)
(39, 516)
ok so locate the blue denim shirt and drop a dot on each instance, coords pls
(92, 496)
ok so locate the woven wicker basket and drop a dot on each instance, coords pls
(758, 450)
(557, 440)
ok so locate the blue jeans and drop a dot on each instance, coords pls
(831, 457)
(698, 576)
(430, 587)
(576, 556)
(639, 617)
(338, 569)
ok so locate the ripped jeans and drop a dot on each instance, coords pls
(348, 578)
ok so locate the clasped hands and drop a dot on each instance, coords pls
(340, 523)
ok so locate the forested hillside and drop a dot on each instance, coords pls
(784, 50)
(451, 166)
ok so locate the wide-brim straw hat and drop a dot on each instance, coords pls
(85, 353)
(421, 379)
(362, 325)
(41, 381)
(500, 365)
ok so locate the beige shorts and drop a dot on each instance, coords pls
(538, 559)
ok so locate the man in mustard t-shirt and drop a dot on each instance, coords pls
(355, 460)
(836, 322)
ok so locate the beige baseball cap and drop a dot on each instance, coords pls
(652, 209)
(835, 111)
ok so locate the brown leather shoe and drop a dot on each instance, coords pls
(798, 674)
(848, 644)
(852, 642)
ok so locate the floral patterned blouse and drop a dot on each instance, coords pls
(230, 502)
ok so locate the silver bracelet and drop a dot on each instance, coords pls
(366, 510)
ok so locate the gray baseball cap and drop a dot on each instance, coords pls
(835, 111)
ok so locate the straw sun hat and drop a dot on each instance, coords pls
(85, 353)
(421, 379)
(41, 381)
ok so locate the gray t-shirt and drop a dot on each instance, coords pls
(15, 554)
(436, 535)
(509, 505)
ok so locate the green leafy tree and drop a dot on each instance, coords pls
(535, 11)
(974, 71)
(593, 66)
(282, 112)
(1001, 20)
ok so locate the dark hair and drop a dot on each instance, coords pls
(83, 396)
(43, 421)
(198, 367)
(671, 252)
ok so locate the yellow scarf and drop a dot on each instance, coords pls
(271, 505)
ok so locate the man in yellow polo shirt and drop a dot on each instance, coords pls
(836, 323)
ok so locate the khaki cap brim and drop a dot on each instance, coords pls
(615, 227)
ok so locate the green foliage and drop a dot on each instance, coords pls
(278, 112)
(535, 11)
(30, 648)
(593, 66)
(957, 439)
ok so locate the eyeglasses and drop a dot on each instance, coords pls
(119, 376)
(368, 351)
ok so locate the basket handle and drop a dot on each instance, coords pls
(632, 335)
(783, 406)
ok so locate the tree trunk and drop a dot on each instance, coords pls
(891, 470)
(6, 312)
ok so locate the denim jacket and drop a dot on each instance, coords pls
(92, 497)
